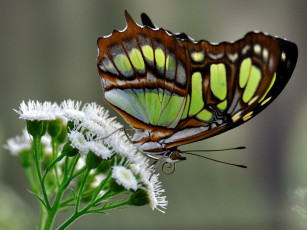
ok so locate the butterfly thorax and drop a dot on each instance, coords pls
(172, 155)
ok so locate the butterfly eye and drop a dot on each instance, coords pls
(175, 155)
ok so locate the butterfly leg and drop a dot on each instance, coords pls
(118, 130)
(157, 163)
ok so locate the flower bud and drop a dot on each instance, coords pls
(104, 167)
(139, 198)
(54, 127)
(92, 160)
(36, 127)
(25, 158)
(68, 150)
(115, 187)
(62, 135)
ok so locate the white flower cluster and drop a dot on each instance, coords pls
(300, 199)
(18, 144)
(93, 131)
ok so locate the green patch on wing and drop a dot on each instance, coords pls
(186, 108)
(121, 100)
(222, 105)
(123, 64)
(197, 102)
(147, 107)
(153, 105)
(148, 53)
(137, 98)
(172, 112)
(252, 84)
(244, 71)
(218, 81)
(205, 115)
(160, 57)
(137, 60)
(270, 86)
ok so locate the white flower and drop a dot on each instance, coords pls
(95, 110)
(19, 143)
(152, 186)
(78, 141)
(124, 177)
(154, 190)
(119, 143)
(97, 120)
(37, 111)
(100, 150)
(300, 202)
(93, 126)
(71, 110)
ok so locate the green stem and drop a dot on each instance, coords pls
(72, 198)
(29, 174)
(53, 211)
(101, 186)
(86, 173)
(35, 188)
(108, 207)
(50, 167)
(65, 169)
(36, 157)
(71, 220)
(54, 154)
(75, 216)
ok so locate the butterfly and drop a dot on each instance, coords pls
(174, 90)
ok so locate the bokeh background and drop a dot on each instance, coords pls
(48, 52)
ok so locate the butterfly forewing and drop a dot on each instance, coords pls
(238, 81)
(178, 90)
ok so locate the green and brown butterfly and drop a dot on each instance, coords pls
(174, 90)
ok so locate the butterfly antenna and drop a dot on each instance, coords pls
(223, 162)
(215, 150)
(168, 165)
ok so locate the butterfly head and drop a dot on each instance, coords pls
(175, 156)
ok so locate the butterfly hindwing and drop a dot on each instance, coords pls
(145, 75)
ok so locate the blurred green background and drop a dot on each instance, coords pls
(48, 52)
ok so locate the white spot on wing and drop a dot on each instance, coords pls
(215, 56)
(233, 57)
(149, 146)
(283, 56)
(265, 54)
(185, 133)
(245, 49)
(237, 116)
(257, 49)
